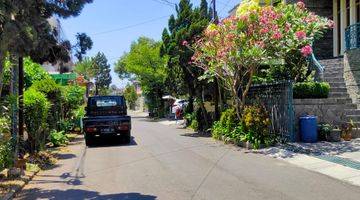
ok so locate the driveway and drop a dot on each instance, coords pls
(163, 162)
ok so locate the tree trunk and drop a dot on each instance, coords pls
(222, 99)
(14, 104)
(2, 65)
(21, 97)
(203, 109)
(216, 100)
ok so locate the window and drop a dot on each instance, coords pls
(106, 103)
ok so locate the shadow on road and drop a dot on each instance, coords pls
(75, 194)
(64, 156)
(108, 142)
(196, 135)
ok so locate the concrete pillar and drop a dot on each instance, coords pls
(352, 12)
(335, 31)
(342, 25)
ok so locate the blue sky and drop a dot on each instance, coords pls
(114, 24)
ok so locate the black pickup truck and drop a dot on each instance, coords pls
(106, 116)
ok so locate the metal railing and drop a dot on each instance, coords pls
(317, 67)
(278, 99)
(352, 37)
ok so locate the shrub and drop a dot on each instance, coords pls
(66, 125)
(58, 138)
(227, 126)
(78, 114)
(72, 97)
(6, 154)
(194, 125)
(36, 108)
(228, 119)
(53, 93)
(256, 124)
(33, 72)
(311, 90)
(189, 117)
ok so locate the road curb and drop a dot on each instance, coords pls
(16, 189)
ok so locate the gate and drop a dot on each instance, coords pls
(278, 100)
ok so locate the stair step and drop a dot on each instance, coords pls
(338, 94)
(333, 73)
(354, 118)
(337, 84)
(339, 71)
(352, 111)
(328, 101)
(340, 79)
(338, 89)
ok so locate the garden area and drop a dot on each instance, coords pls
(52, 115)
(250, 54)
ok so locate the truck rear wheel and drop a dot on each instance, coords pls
(89, 141)
(127, 138)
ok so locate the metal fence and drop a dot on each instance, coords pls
(278, 100)
(352, 36)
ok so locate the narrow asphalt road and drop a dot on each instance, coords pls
(166, 163)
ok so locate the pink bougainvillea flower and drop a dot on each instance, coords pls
(185, 43)
(306, 50)
(277, 35)
(264, 30)
(300, 35)
(301, 5)
(331, 24)
(260, 44)
(193, 58)
(287, 27)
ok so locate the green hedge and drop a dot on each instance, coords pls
(313, 90)
(53, 93)
(36, 107)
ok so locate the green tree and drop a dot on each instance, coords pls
(130, 96)
(86, 68)
(183, 30)
(102, 70)
(145, 64)
(25, 31)
(84, 43)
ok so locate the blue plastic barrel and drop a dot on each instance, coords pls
(308, 129)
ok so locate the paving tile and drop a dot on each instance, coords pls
(319, 165)
(354, 180)
(302, 160)
(339, 172)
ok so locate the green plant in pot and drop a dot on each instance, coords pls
(324, 131)
(346, 130)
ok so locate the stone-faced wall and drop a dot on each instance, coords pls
(323, 48)
(352, 74)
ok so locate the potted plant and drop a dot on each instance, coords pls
(346, 130)
(324, 131)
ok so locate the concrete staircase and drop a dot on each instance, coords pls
(339, 107)
(334, 74)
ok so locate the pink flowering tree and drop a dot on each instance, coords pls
(233, 50)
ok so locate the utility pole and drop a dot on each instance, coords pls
(215, 17)
(216, 83)
(21, 97)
